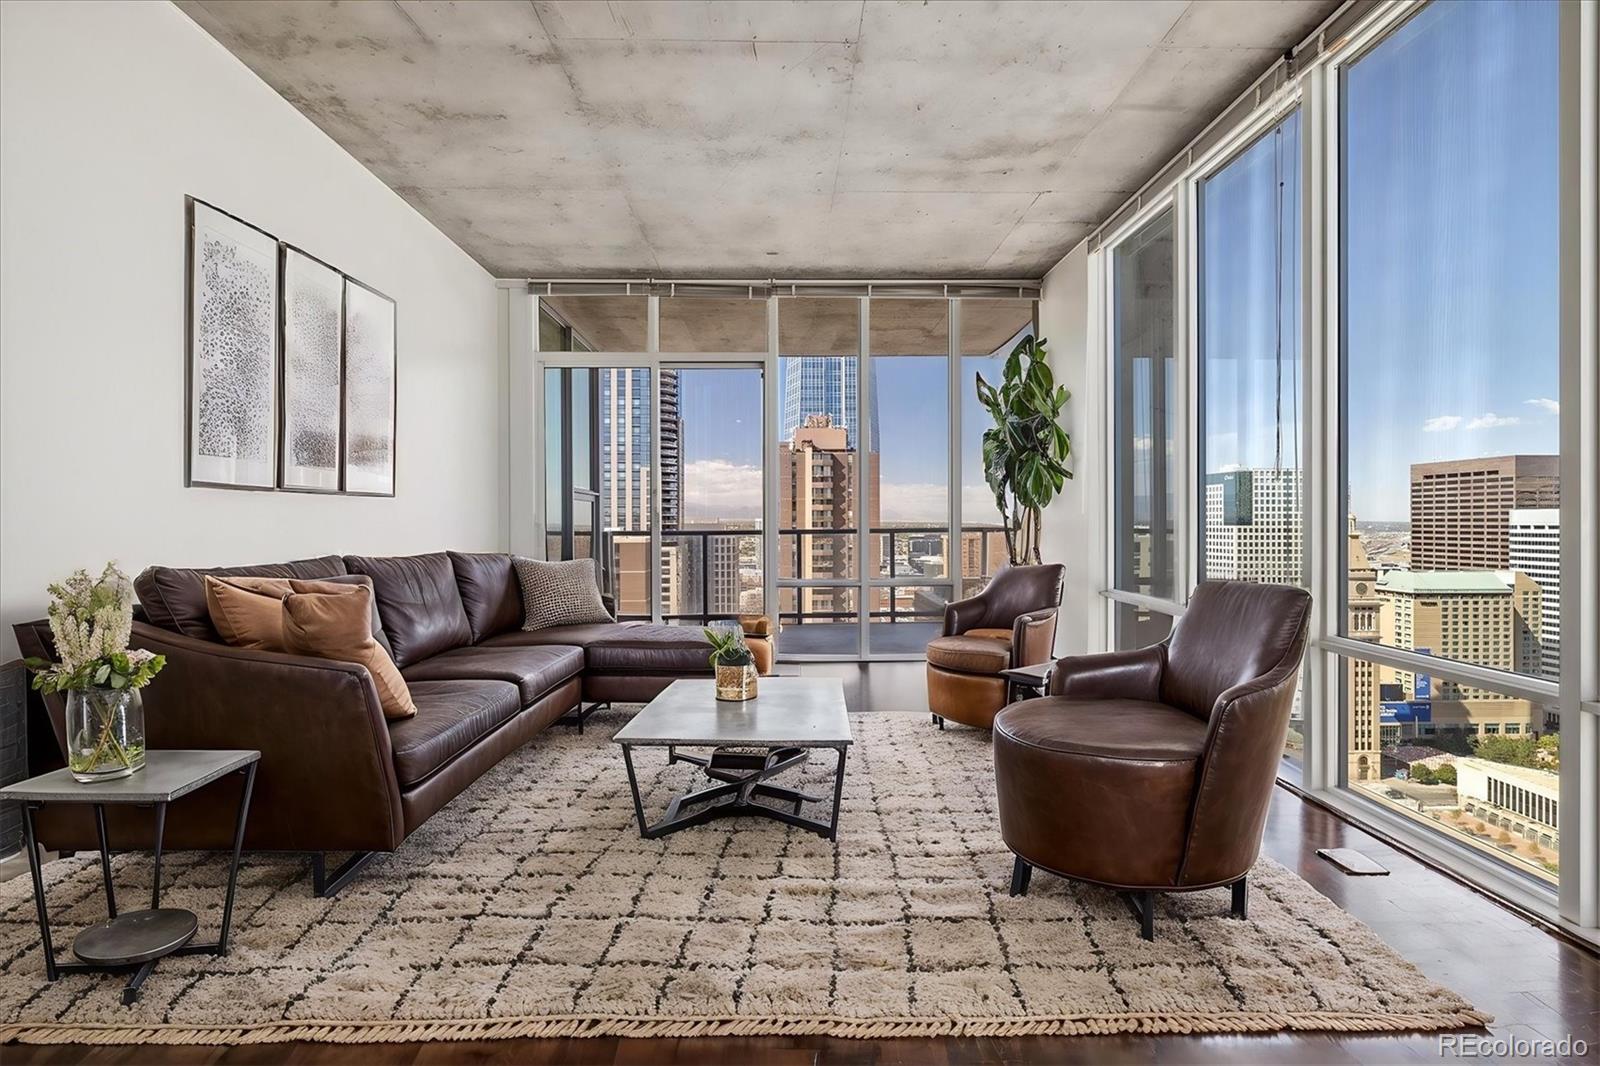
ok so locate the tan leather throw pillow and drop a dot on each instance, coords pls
(335, 622)
(248, 611)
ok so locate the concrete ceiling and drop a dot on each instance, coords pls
(834, 138)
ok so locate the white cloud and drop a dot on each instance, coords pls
(716, 488)
(915, 502)
(1487, 420)
(1545, 404)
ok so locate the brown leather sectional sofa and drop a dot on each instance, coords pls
(335, 775)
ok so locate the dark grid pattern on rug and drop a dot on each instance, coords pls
(532, 895)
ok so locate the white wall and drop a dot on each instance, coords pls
(1075, 523)
(110, 113)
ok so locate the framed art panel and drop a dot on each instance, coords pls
(369, 390)
(313, 373)
(232, 369)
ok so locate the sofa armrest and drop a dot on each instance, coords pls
(963, 615)
(1033, 637)
(326, 779)
(1133, 675)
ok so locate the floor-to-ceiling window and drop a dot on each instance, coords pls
(1450, 422)
(820, 449)
(1248, 370)
(1144, 396)
(907, 472)
(711, 544)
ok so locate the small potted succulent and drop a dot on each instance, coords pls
(91, 622)
(734, 664)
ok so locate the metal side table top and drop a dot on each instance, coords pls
(134, 940)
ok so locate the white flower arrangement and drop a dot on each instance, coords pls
(92, 621)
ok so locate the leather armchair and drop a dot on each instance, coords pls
(1152, 770)
(1011, 623)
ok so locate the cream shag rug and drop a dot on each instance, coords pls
(530, 907)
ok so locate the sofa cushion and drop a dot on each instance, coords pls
(489, 592)
(535, 671)
(651, 649)
(451, 717)
(418, 602)
(174, 597)
(970, 655)
(1105, 729)
(335, 622)
(577, 636)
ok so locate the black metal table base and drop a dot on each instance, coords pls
(580, 714)
(127, 943)
(743, 775)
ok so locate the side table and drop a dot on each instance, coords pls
(135, 940)
(1025, 682)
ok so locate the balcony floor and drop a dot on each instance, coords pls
(840, 638)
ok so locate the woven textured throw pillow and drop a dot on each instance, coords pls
(559, 594)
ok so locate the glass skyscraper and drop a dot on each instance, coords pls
(826, 385)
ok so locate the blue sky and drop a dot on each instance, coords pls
(1451, 302)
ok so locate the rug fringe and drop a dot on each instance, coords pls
(569, 1026)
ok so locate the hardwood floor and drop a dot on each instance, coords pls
(1536, 985)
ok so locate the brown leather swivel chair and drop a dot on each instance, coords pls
(1011, 623)
(1151, 770)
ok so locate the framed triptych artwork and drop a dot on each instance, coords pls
(291, 369)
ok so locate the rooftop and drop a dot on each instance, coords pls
(1425, 582)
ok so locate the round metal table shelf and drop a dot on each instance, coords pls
(135, 937)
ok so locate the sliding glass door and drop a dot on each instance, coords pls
(711, 501)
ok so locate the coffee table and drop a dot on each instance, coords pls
(752, 742)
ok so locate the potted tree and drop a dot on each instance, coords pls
(1025, 452)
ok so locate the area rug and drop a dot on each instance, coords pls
(530, 907)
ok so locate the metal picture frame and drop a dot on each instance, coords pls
(311, 404)
(231, 351)
(370, 395)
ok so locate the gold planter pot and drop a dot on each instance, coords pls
(736, 682)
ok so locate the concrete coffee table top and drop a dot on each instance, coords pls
(802, 712)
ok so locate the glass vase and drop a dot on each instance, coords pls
(105, 733)
(736, 683)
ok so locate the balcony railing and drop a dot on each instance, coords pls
(963, 583)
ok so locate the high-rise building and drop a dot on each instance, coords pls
(1361, 676)
(1490, 618)
(1534, 538)
(1461, 508)
(625, 469)
(1252, 530)
(817, 491)
(825, 385)
(626, 490)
